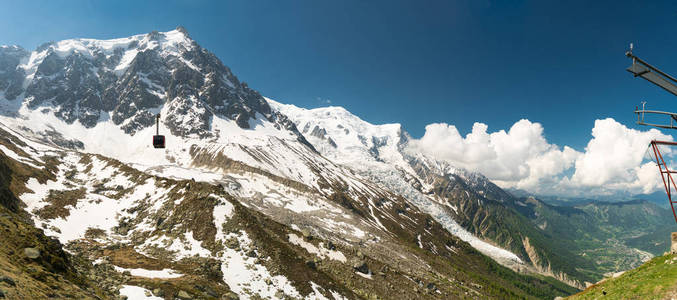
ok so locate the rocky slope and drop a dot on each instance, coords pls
(183, 238)
(240, 204)
(32, 264)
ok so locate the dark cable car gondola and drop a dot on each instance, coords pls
(158, 140)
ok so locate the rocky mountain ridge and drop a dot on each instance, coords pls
(131, 79)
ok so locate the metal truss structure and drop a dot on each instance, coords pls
(641, 68)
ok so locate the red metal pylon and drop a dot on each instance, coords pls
(666, 174)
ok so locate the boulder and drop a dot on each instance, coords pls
(7, 280)
(211, 292)
(361, 266)
(233, 296)
(306, 233)
(32, 253)
(183, 295)
(279, 294)
(232, 243)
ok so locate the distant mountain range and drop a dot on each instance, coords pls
(659, 198)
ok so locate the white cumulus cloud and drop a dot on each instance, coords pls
(614, 156)
(613, 160)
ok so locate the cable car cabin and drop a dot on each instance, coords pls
(159, 141)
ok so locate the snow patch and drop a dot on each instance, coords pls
(164, 273)
(321, 252)
(17, 157)
(188, 247)
(135, 292)
(222, 213)
(246, 278)
(367, 276)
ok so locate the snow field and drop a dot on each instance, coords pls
(94, 210)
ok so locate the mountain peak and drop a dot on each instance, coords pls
(130, 80)
(11, 47)
(176, 36)
(182, 30)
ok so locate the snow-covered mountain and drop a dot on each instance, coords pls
(240, 192)
(465, 203)
(205, 111)
(379, 153)
(128, 80)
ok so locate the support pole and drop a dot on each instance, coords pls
(157, 125)
(666, 174)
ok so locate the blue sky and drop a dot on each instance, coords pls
(414, 62)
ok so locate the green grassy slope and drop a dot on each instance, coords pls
(656, 279)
